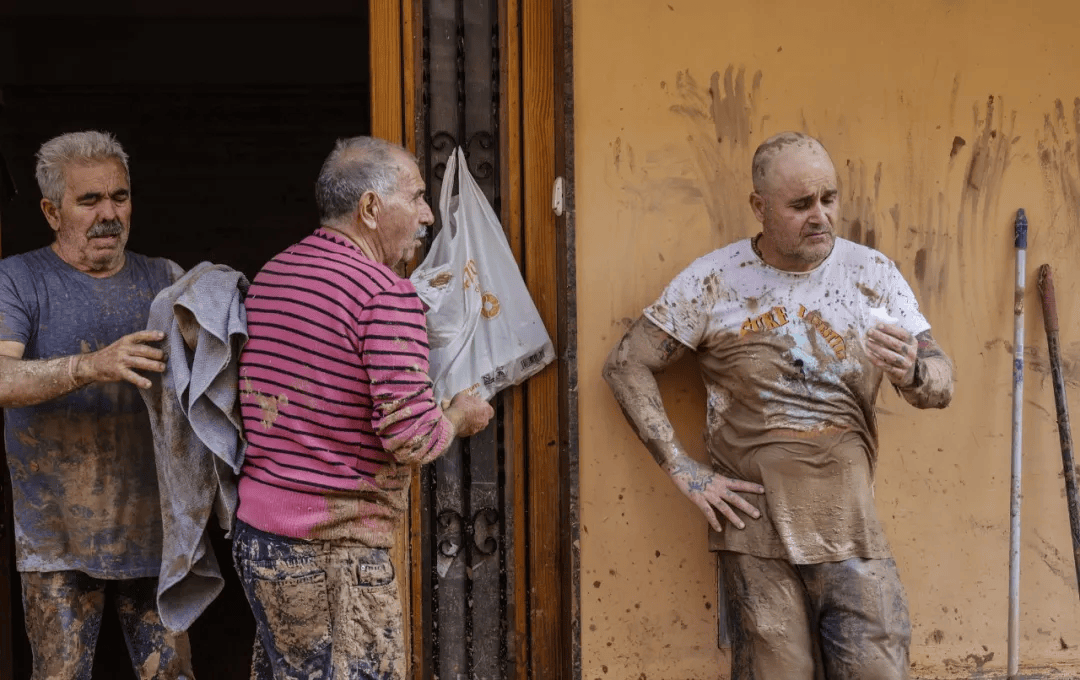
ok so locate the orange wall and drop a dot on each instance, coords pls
(943, 118)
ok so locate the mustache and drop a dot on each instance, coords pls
(108, 228)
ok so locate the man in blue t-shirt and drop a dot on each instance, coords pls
(79, 445)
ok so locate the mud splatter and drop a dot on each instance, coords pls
(973, 661)
(618, 152)
(731, 111)
(1060, 565)
(942, 218)
(920, 264)
(270, 407)
(52, 629)
(188, 324)
(721, 128)
(442, 280)
(149, 670)
(870, 293)
(1035, 360)
(295, 606)
(859, 204)
(1059, 159)
(957, 144)
(100, 506)
(991, 153)
(954, 96)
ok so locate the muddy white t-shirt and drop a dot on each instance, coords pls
(791, 391)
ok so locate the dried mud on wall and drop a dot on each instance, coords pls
(937, 138)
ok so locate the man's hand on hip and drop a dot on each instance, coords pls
(709, 490)
(120, 360)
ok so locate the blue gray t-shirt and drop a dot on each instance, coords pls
(84, 485)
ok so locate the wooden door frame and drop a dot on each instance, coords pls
(536, 44)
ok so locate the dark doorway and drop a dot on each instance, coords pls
(226, 114)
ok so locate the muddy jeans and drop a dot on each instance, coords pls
(838, 620)
(63, 617)
(325, 610)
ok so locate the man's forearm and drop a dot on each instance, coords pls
(629, 372)
(30, 382)
(427, 445)
(932, 381)
(933, 387)
(638, 395)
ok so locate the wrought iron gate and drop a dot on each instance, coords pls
(467, 501)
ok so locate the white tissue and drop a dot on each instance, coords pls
(880, 315)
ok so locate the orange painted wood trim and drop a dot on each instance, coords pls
(545, 485)
(387, 70)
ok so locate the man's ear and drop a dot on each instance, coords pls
(757, 204)
(52, 213)
(367, 209)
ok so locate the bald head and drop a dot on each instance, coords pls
(775, 146)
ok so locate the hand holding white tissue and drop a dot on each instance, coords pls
(881, 315)
(891, 348)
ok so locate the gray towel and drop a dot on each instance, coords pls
(198, 440)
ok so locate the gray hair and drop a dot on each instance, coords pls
(768, 150)
(355, 166)
(78, 148)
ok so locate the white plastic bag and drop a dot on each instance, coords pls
(483, 328)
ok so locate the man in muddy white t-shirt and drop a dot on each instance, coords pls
(794, 330)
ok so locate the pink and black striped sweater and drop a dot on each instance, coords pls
(335, 395)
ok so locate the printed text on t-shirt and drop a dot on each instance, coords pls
(778, 316)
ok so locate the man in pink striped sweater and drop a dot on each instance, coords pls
(338, 410)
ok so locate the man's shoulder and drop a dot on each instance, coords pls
(29, 266)
(28, 259)
(372, 276)
(148, 260)
(736, 254)
(852, 253)
(328, 261)
(159, 271)
(865, 266)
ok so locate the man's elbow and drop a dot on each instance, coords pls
(936, 388)
(608, 371)
(614, 372)
(942, 398)
(946, 383)
(9, 394)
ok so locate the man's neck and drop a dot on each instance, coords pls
(356, 238)
(88, 269)
(792, 265)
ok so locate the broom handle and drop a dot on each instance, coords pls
(1049, 305)
(1017, 443)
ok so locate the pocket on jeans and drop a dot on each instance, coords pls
(296, 608)
(373, 612)
(377, 575)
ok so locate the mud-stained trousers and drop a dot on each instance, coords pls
(63, 617)
(832, 621)
(324, 610)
